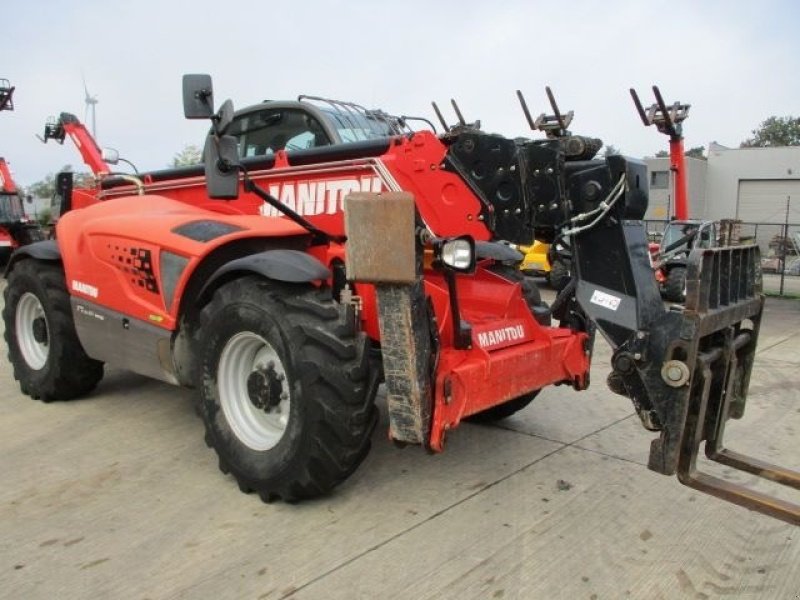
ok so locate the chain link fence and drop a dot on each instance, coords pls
(780, 251)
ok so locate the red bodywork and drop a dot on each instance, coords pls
(7, 185)
(511, 353)
(8, 196)
(677, 164)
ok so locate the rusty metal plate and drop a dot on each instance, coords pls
(380, 237)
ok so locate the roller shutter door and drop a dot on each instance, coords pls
(764, 200)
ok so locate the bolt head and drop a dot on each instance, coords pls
(674, 373)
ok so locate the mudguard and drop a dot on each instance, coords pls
(291, 266)
(45, 250)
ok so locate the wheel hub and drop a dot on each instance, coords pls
(39, 328)
(265, 388)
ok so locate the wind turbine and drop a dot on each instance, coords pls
(91, 103)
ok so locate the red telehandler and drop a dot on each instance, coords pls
(681, 234)
(323, 249)
(15, 228)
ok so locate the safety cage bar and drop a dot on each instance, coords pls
(377, 123)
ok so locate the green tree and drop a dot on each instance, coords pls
(775, 131)
(190, 155)
(46, 188)
(697, 152)
(45, 216)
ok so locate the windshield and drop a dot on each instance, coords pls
(265, 132)
(10, 208)
(676, 231)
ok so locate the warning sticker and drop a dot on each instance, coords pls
(605, 300)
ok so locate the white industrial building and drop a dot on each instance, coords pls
(755, 185)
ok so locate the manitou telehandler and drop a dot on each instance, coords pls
(323, 249)
(15, 228)
(681, 234)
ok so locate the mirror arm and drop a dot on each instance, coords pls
(319, 234)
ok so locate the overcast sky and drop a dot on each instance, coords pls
(736, 63)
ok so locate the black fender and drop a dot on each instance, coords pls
(45, 250)
(675, 262)
(291, 266)
(497, 251)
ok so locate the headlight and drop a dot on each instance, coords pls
(457, 254)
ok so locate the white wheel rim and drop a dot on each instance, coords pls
(30, 312)
(257, 428)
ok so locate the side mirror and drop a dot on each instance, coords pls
(222, 167)
(110, 155)
(198, 96)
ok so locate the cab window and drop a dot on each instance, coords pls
(264, 132)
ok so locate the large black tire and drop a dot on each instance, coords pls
(286, 388)
(675, 286)
(505, 410)
(559, 275)
(530, 292)
(48, 359)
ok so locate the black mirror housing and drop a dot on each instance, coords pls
(225, 117)
(222, 167)
(198, 96)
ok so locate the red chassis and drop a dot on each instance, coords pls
(507, 340)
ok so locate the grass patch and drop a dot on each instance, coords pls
(789, 295)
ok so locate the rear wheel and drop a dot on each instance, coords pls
(43, 347)
(559, 275)
(505, 410)
(675, 286)
(287, 392)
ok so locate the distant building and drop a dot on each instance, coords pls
(662, 194)
(755, 185)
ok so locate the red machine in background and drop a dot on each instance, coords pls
(669, 121)
(58, 129)
(682, 234)
(15, 228)
(323, 248)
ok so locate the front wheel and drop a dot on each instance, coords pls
(43, 347)
(675, 286)
(287, 392)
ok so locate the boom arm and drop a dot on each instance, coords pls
(7, 184)
(669, 121)
(69, 125)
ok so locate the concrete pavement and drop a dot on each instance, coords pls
(116, 496)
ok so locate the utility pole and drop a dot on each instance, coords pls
(785, 243)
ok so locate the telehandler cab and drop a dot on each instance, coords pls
(324, 249)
